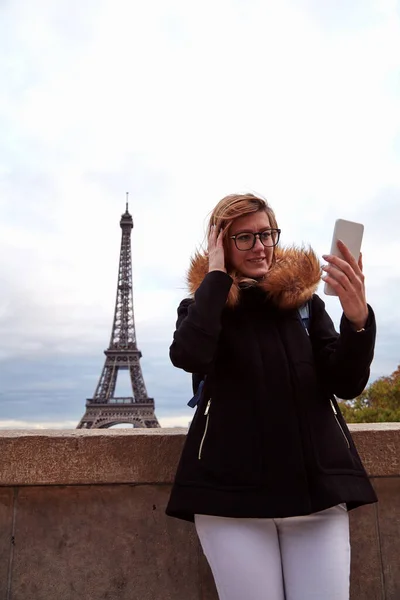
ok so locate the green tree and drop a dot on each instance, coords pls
(379, 402)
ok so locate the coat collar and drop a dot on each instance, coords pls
(290, 282)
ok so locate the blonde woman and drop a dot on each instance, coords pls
(269, 470)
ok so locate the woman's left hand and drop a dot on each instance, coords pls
(347, 279)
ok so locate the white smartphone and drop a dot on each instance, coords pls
(351, 234)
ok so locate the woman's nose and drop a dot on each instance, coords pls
(258, 244)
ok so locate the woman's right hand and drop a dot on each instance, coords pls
(216, 255)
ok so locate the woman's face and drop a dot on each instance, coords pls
(255, 262)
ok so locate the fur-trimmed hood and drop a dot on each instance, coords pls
(290, 282)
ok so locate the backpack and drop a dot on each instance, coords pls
(198, 379)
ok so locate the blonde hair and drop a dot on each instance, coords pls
(232, 207)
(238, 205)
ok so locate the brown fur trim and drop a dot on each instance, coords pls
(197, 271)
(290, 282)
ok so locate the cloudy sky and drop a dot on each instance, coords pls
(179, 103)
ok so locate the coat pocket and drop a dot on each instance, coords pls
(339, 425)
(228, 452)
(333, 446)
(203, 439)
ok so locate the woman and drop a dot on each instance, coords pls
(269, 468)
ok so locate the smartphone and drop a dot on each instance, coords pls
(351, 234)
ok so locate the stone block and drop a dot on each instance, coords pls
(388, 491)
(6, 546)
(366, 579)
(379, 447)
(72, 457)
(102, 543)
(207, 585)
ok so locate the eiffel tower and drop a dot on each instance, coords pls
(104, 410)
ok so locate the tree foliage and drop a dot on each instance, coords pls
(379, 402)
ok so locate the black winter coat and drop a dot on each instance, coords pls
(268, 439)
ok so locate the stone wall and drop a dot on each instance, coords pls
(82, 517)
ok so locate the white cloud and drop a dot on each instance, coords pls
(51, 425)
(20, 424)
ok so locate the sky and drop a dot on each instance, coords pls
(179, 103)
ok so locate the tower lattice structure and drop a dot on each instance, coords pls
(104, 409)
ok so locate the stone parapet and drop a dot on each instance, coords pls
(82, 516)
(100, 456)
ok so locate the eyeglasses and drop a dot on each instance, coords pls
(246, 241)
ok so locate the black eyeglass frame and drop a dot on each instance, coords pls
(255, 236)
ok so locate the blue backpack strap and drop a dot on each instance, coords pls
(195, 400)
(196, 379)
(304, 313)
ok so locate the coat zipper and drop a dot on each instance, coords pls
(337, 421)
(207, 414)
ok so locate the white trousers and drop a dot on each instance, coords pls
(295, 558)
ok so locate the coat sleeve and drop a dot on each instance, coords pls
(343, 360)
(199, 324)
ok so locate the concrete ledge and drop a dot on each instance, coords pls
(82, 515)
(142, 456)
(80, 457)
(379, 447)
